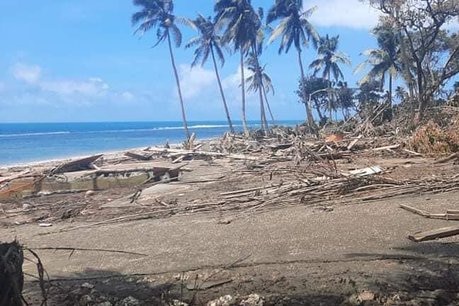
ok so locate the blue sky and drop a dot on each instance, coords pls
(70, 60)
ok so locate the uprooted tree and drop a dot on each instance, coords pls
(429, 51)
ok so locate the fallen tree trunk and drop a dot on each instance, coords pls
(11, 277)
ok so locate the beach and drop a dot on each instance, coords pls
(25, 143)
(234, 215)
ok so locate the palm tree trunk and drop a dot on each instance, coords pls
(179, 89)
(264, 123)
(319, 112)
(221, 91)
(329, 98)
(390, 96)
(268, 106)
(244, 118)
(390, 90)
(309, 115)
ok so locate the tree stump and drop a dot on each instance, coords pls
(11, 277)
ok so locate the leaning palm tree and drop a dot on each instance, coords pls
(241, 29)
(159, 14)
(328, 61)
(294, 29)
(259, 82)
(208, 43)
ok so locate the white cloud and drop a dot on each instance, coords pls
(196, 80)
(27, 73)
(127, 96)
(343, 13)
(233, 81)
(32, 75)
(91, 87)
(35, 87)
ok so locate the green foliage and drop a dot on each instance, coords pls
(207, 41)
(240, 22)
(294, 27)
(329, 59)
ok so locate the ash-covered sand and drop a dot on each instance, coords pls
(264, 231)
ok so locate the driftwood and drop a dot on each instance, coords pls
(143, 157)
(180, 152)
(435, 234)
(354, 142)
(386, 148)
(447, 159)
(426, 214)
(77, 165)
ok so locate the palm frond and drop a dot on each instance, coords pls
(176, 34)
(220, 55)
(195, 41)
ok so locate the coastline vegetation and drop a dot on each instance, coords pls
(416, 53)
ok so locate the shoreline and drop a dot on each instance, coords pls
(54, 161)
(112, 154)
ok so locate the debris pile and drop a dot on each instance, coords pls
(433, 139)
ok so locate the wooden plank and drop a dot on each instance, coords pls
(415, 210)
(354, 142)
(386, 148)
(139, 156)
(13, 177)
(77, 165)
(435, 234)
(426, 214)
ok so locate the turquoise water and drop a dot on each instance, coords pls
(30, 142)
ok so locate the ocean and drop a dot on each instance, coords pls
(33, 142)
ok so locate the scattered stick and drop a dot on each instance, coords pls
(447, 159)
(435, 234)
(41, 277)
(426, 214)
(392, 147)
(354, 142)
(72, 249)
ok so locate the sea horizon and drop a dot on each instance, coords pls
(42, 141)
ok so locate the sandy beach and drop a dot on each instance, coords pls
(242, 219)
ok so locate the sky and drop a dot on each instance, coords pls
(77, 61)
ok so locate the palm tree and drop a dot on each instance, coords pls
(208, 43)
(385, 60)
(159, 14)
(328, 61)
(259, 82)
(294, 29)
(241, 28)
